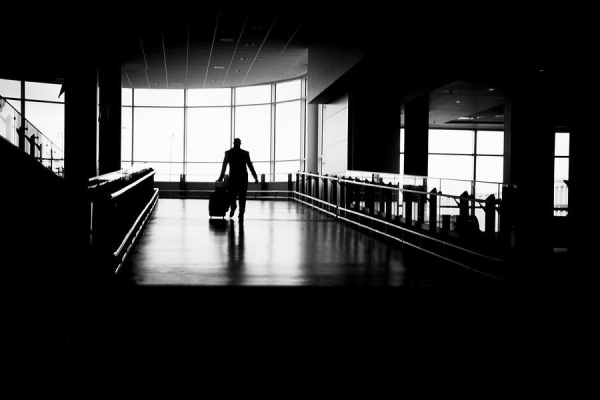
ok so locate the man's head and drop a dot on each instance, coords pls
(237, 142)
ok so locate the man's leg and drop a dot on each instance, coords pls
(232, 197)
(242, 200)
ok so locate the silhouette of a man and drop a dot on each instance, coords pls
(238, 160)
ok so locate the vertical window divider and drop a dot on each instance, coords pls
(185, 135)
(273, 138)
(232, 124)
(303, 108)
(132, 124)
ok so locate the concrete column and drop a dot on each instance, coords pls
(109, 118)
(81, 124)
(529, 170)
(311, 150)
(416, 136)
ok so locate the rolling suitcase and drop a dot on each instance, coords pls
(218, 201)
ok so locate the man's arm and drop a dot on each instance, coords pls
(223, 167)
(251, 167)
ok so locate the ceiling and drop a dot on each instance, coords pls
(214, 49)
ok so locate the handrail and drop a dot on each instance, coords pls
(420, 234)
(400, 189)
(130, 232)
(126, 188)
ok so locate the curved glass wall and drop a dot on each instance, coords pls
(185, 133)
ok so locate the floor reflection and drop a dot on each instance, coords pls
(286, 245)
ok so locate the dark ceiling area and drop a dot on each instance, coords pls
(239, 45)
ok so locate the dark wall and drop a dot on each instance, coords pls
(48, 270)
(374, 130)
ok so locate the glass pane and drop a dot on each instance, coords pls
(159, 97)
(253, 95)
(561, 169)
(450, 141)
(49, 119)
(253, 127)
(401, 140)
(208, 134)
(203, 172)
(10, 120)
(126, 133)
(283, 168)
(209, 97)
(10, 88)
(287, 131)
(490, 142)
(43, 91)
(261, 167)
(127, 97)
(450, 167)
(158, 134)
(165, 172)
(483, 190)
(561, 147)
(401, 164)
(490, 169)
(288, 90)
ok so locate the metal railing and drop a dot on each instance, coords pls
(120, 204)
(413, 216)
(24, 135)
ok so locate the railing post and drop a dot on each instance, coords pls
(389, 195)
(317, 192)
(290, 187)
(263, 185)
(490, 215)
(408, 200)
(326, 191)
(370, 199)
(334, 194)
(421, 199)
(433, 217)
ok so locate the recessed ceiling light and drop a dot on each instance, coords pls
(491, 89)
(226, 40)
(243, 58)
(457, 101)
(214, 80)
(238, 70)
(218, 67)
(499, 116)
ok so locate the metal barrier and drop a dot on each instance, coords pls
(121, 203)
(411, 216)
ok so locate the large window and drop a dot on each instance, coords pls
(459, 157)
(188, 131)
(42, 105)
(561, 173)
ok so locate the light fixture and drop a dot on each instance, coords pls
(218, 67)
(238, 70)
(226, 40)
(243, 58)
(457, 101)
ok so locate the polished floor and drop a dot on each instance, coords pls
(288, 283)
(279, 243)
